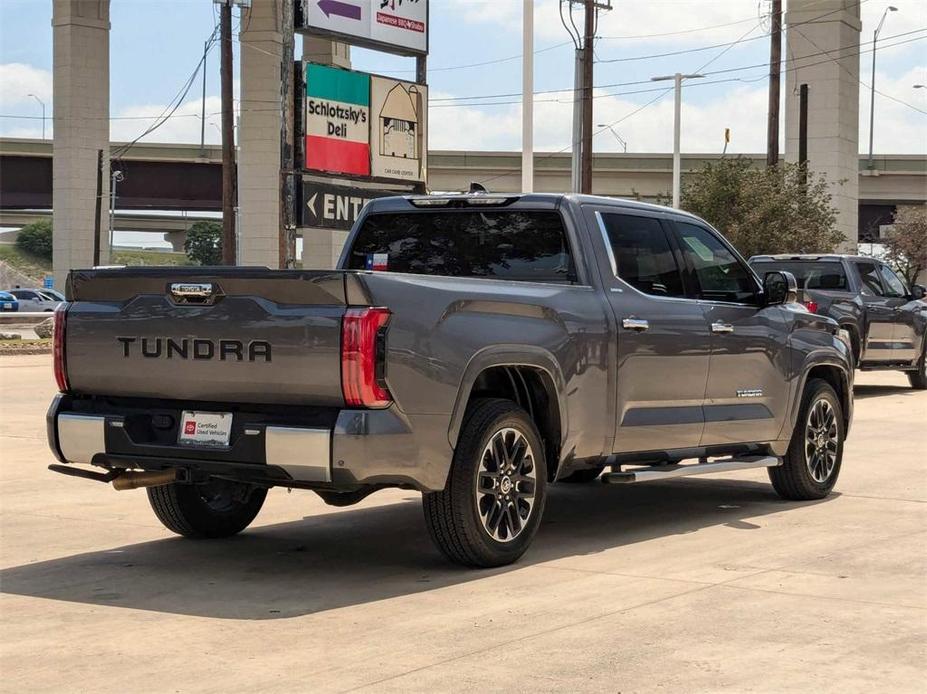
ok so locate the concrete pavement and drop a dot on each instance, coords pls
(702, 584)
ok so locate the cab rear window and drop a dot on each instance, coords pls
(500, 244)
(827, 275)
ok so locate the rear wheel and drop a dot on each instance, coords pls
(218, 508)
(491, 507)
(810, 468)
(918, 379)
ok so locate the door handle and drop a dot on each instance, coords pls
(638, 324)
(719, 327)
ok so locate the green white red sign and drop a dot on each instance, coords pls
(364, 125)
(337, 120)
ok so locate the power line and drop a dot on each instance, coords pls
(473, 97)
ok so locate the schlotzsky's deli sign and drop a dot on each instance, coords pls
(364, 125)
(337, 120)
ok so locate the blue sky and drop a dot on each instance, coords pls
(155, 46)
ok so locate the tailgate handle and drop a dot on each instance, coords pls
(193, 292)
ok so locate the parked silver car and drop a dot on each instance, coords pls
(35, 300)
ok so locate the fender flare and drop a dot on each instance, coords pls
(822, 358)
(507, 355)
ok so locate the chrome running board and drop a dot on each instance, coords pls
(665, 472)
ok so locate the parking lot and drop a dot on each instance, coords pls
(688, 585)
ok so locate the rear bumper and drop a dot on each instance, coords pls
(318, 449)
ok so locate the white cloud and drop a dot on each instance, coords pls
(18, 80)
(183, 126)
(899, 129)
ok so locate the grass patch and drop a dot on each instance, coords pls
(144, 257)
(37, 268)
(26, 263)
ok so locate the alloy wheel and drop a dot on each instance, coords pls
(822, 438)
(505, 484)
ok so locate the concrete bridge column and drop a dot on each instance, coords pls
(815, 26)
(81, 120)
(259, 132)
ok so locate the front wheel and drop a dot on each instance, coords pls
(810, 468)
(491, 507)
(218, 508)
(918, 378)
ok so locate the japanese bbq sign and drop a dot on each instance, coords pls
(337, 120)
(398, 26)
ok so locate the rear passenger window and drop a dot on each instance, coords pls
(505, 245)
(643, 256)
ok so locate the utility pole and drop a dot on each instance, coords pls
(581, 170)
(775, 59)
(588, 39)
(527, 98)
(228, 136)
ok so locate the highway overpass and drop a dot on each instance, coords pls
(186, 178)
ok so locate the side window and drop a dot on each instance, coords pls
(894, 287)
(869, 276)
(721, 276)
(643, 256)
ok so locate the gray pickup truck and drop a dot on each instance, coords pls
(885, 320)
(477, 348)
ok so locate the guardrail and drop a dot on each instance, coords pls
(23, 317)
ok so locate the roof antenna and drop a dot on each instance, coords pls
(477, 188)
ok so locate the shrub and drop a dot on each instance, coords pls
(36, 238)
(204, 243)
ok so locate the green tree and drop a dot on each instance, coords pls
(906, 245)
(764, 210)
(36, 238)
(204, 243)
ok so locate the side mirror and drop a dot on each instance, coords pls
(918, 291)
(780, 287)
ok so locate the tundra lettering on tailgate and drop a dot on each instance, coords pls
(195, 348)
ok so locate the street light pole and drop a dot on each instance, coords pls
(677, 115)
(875, 38)
(621, 141)
(117, 177)
(42, 104)
(527, 98)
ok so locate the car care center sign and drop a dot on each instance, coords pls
(397, 26)
(364, 125)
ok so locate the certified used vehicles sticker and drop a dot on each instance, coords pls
(205, 428)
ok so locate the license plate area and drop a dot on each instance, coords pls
(207, 429)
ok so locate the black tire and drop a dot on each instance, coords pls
(918, 379)
(454, 516)
(798, 479)
(218, 508)
(582, 476)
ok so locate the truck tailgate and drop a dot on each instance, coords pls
(242, 335)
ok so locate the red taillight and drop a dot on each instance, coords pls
(61, 367)
(362, 355)
(812, 306)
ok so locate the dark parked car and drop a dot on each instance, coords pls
(8, 302)
(477, 348)
(886, 320)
